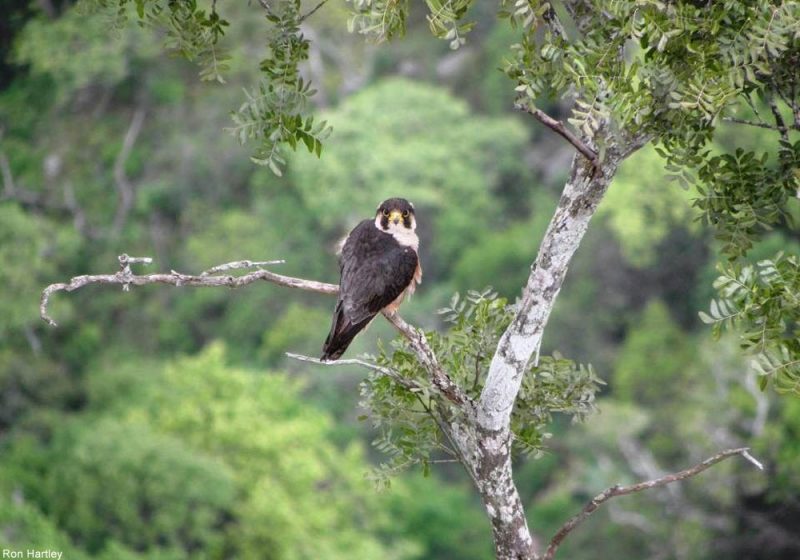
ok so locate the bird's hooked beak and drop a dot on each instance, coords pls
(396, 216)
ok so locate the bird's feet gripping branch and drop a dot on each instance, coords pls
(379, 265)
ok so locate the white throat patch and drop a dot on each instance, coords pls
(406, 237)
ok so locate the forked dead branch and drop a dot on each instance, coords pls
(220, 276)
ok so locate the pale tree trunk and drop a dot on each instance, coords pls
(512, 538)
(519, 345)
(582, 193)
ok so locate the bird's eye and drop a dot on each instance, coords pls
(385, 212)
(405, 214)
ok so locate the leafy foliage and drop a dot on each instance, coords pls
(445, 20)
(25, 526)
(383, 20)
(276, 112)
(103, 62)
(191, 31)
(408, 420)
(762, 302)
(667, 71)
(655, 361)
(380, 19)
(674, 72)
(22, 240)
(164, 495)
(197, 459)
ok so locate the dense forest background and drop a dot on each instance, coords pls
(167, 423)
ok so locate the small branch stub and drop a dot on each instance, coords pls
(238, 265)
(559, 128)
(125, 261)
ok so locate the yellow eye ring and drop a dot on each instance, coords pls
(385, 212)
(405, 214)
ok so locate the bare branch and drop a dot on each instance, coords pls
(313, 10)
(618, 490)
(749, 123)
(776, 113)
(125, 260)
(125, 189)
(559, 128)
(756, 463)
(424, 352)
(212, 279)
(404, 381)
(238, 265)
(126, 278)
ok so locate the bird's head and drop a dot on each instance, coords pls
(395, 215)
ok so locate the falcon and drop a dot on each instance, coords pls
(379, 265)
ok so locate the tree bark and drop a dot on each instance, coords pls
(512, 538)
(579, 200)
(582, 193)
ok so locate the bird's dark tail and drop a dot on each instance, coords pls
(342, 334)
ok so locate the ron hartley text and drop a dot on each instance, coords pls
(32, 553)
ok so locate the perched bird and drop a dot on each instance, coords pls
(379, 265)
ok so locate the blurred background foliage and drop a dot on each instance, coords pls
(167, 424)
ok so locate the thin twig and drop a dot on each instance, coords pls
(559, 128)
(238, 265)
(313, 10)
(618, 490)
(126, 260)
(746, 454)
(409, 384)
(749, 100)
(749, 123)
